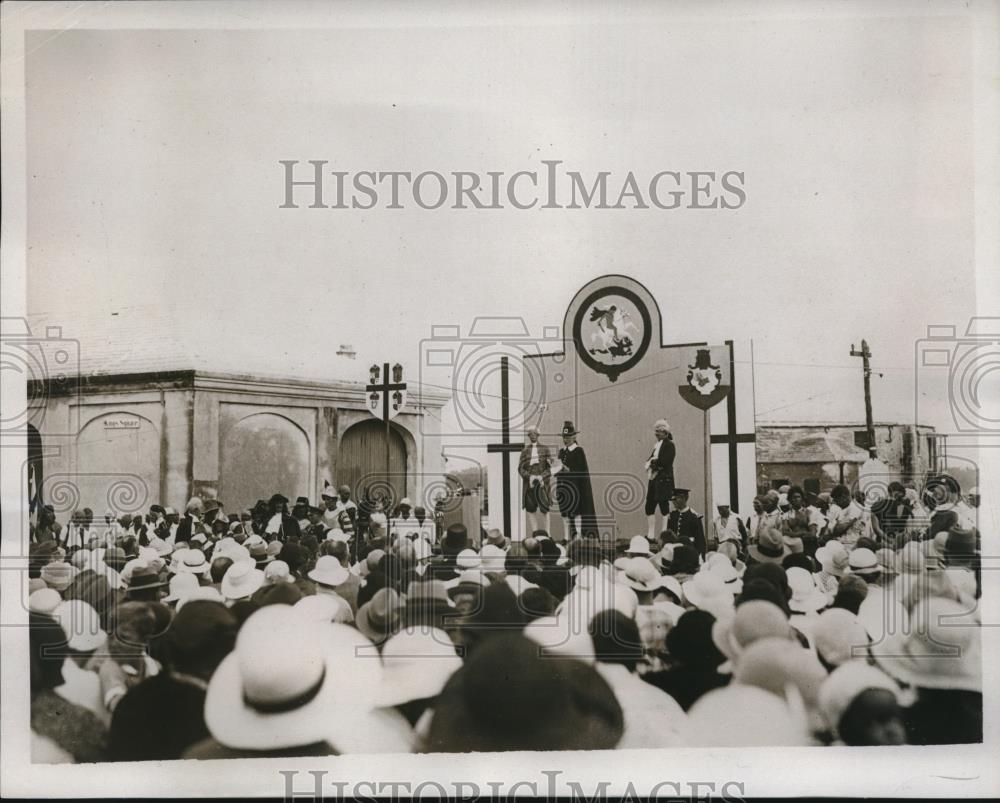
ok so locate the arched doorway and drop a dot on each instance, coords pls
(262, 454)
(361, 460)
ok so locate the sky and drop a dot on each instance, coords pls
(154, 188)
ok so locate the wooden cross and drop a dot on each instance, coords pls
(505, 447)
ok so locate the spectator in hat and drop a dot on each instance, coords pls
(861, 706)
(548, 703)
(75, 730)
(379, 618)
(740, 716)
(126, 661)
(281, 524)
(834, 563)
(770, 546)
(292, 686)
(694, 657)
(191, 522)
(940, 658)
(200, 636)
(417, 665)
(839, 637)
(652, 718)
(428, 605)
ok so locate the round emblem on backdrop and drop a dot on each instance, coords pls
(612, 330)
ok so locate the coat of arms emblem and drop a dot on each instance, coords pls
(703, 386)
(612, 331)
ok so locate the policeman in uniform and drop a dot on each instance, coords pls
(686, 522)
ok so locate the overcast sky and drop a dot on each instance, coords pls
(154, 188)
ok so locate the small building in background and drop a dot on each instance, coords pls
(819, 456)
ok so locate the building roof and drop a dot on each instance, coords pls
(778, 445)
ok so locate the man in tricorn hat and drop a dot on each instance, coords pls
(574, 493)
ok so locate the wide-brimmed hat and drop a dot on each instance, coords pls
(638, 545)
(770, 546)
(201, 593)
(81, 624)
(470, 580)
(833, 558)
(241, 580)
(911, 558)
(492, 558)
(163, 549)
(291, 682)
(839, 636)
(738, 716)
(845, 683)
(190, 561)
(752, 621)
(260, 554)
(325, 608)
(725, 571)
(278, 499)
(560, 636)
(887, 561)
(673, 585)
(336, 534)
(639, 574)
(863, 561)
(381, 616)
(428, 590)
(329, 571)
(709, 592)
(773, 664)
(44, 600)
(181, 585)
(806, 597)
(58, 574)
(941, 650)
(417, 663)
(496, 537)
(278, 571)
(468, 559)
(143, 577)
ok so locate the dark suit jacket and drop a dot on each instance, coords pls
(687, 524)
(663, 466)
(544, 460)
(184, 527)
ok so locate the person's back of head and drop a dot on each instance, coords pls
(220, 566)
(616, 639)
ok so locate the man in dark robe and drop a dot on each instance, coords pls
(573, 489)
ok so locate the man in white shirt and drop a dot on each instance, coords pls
(848, 521)
(727, 527)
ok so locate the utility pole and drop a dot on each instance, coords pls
(865, 355)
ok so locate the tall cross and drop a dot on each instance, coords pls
(732, 438)
(385, 388)
(505, 447)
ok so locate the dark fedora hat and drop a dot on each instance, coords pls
(144, 577)
(961, 542)
(279, 499)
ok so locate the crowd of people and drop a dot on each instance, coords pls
(326, 630)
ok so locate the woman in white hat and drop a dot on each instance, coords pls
(660, 476)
